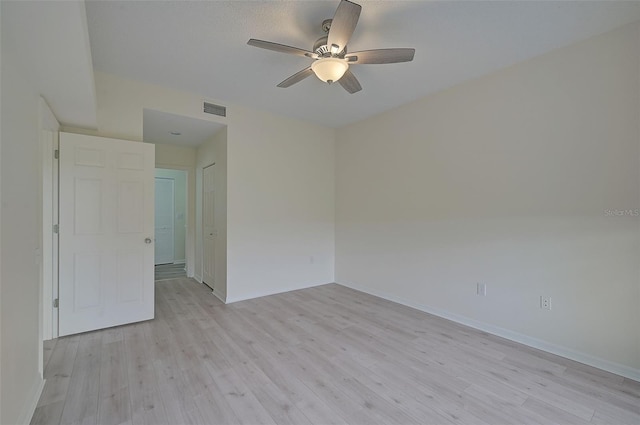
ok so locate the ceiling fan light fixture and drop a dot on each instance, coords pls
(330, 51)
(330, 70)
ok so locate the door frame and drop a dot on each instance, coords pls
(49, 143)
(202, 232)
(190, 219)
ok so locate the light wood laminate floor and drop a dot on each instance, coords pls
(169, 271)
(325, 355)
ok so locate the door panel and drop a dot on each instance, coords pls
(87, 283)
(88, 214)
(106, 213)
(130, 207)
(130, 270)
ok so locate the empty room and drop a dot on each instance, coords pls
(319, 212)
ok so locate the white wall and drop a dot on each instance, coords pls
(506, 181)
(280, 184)
(280, 204)
(210, 152)
(121, 103)
(176, 156)
(180, 209)
(21, 228)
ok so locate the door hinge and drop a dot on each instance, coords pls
(55, 228)
(56, 303)
(56, 154)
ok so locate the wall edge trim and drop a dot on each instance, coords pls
(217, 295)
(267, 293)
(31, 404)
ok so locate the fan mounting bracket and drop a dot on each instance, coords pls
(326, 25)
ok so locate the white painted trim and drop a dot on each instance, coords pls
(49, 205)
(218, 296)
(55, 238)
(48, 126)
(260, 294)
(609, 366)
(1, 226)
(179, 261)
(201, 235)
(47, 148)
(197, 278)
(32, 403)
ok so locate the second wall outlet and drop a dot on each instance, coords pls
(481, 289)
(545, 302)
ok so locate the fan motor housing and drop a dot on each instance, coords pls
(322, 48)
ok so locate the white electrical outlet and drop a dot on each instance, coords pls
(545, 302)
(481, 289)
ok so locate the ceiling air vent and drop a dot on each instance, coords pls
(210, 108)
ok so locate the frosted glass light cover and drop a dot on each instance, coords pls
(329, 69)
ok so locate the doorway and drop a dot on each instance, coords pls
(165, 221)
(170, 223)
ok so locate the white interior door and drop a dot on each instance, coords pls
(164, 227)
(106, 226)
(209, 232)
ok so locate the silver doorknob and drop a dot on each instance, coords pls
(147, 240)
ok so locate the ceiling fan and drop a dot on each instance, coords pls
(331, 59)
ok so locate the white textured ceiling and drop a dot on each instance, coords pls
(200, 46)
(158, 126)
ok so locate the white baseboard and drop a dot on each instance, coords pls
(597, 362)
(219, 296)
(267, 293)
(197, 278)
(32, 403)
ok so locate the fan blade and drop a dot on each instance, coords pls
(296, 78)
(349, 82)
(343, 24)
(281, 48)
(380, 56)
